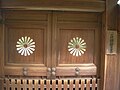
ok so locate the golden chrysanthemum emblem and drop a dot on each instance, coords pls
(77, 46)
(25, 46)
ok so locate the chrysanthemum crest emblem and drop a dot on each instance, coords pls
(25, 46)
(77, 46)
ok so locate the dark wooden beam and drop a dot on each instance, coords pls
(1, 50)
(119, 43)
(66, 5)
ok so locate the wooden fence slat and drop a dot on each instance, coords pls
(82, 84)
(36, 84)
(71, 85)
(59, 84)
(18, 84)
(93, 83)
(21, 84)
(2, 84)
(77, 84)
(53, 84)
(88, 84)
(30, 84)
(48, 84)
(24, 84)
(41, 84)
(65, 85)
(7, 84)
(12, 84)
(98, 84)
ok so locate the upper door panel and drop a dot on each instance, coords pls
(76, 43)
(26, 42)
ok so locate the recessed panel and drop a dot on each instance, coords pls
(25, 46)
(76, 46)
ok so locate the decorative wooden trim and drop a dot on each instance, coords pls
(1, 20)
(19, 71)
(1, 51)
(25, 46)
(1, 46)
(118, 19)
(83, 71)
(67, 5)
(46, 84)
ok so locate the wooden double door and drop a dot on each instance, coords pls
(52, 44)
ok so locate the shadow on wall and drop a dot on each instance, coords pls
(0, 85)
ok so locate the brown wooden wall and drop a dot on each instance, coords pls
(111, 61)
(119, 45)
(111, 64)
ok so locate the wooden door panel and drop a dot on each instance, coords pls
(26, 44)
(67, 31)
(14, 35)
(66, 36)
(53, 35)
(25, 15)
(67, 63)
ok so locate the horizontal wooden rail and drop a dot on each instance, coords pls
(66, 5)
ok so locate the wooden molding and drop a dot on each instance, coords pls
(0, 15)
(118, 19)
(66, 5)
(1, 47)
(18, 71)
